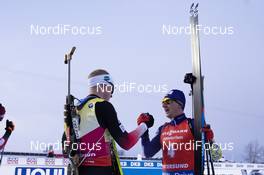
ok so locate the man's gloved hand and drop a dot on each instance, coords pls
(209, 134)
(145, 118)
(2, 110)
(9, 126)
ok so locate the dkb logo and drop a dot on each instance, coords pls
(39, 171)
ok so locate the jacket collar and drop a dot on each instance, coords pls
(178, 119)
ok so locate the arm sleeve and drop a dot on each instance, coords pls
(150, 148)
(4, 139)
(107, 118)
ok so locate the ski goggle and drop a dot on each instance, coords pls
(168, 101)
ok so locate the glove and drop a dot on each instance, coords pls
(209, 134)
(145, 118)
(2, 110)
(9, 126)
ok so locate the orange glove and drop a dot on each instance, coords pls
(145, 118)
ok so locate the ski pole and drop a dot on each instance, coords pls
(67, 60)
(70, 116)
(2, 153)
(208, 154)
(211, 161)
(207, 159)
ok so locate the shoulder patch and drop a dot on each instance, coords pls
(90, 105)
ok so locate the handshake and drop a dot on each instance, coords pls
(145, 118)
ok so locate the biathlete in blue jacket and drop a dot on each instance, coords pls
(175, 138)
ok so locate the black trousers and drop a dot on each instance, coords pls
(95, 170)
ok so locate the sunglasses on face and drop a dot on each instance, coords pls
(169, 101)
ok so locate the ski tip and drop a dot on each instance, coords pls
(196, 5)
(191, 9)
(192, 5)
(194, 9)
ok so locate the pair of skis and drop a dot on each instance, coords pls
(195, 79)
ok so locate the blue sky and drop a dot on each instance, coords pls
(132, 48)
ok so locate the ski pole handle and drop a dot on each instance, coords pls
(72, 51)
(68, 56)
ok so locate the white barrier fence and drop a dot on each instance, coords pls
(21, 165)
(25, 165)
